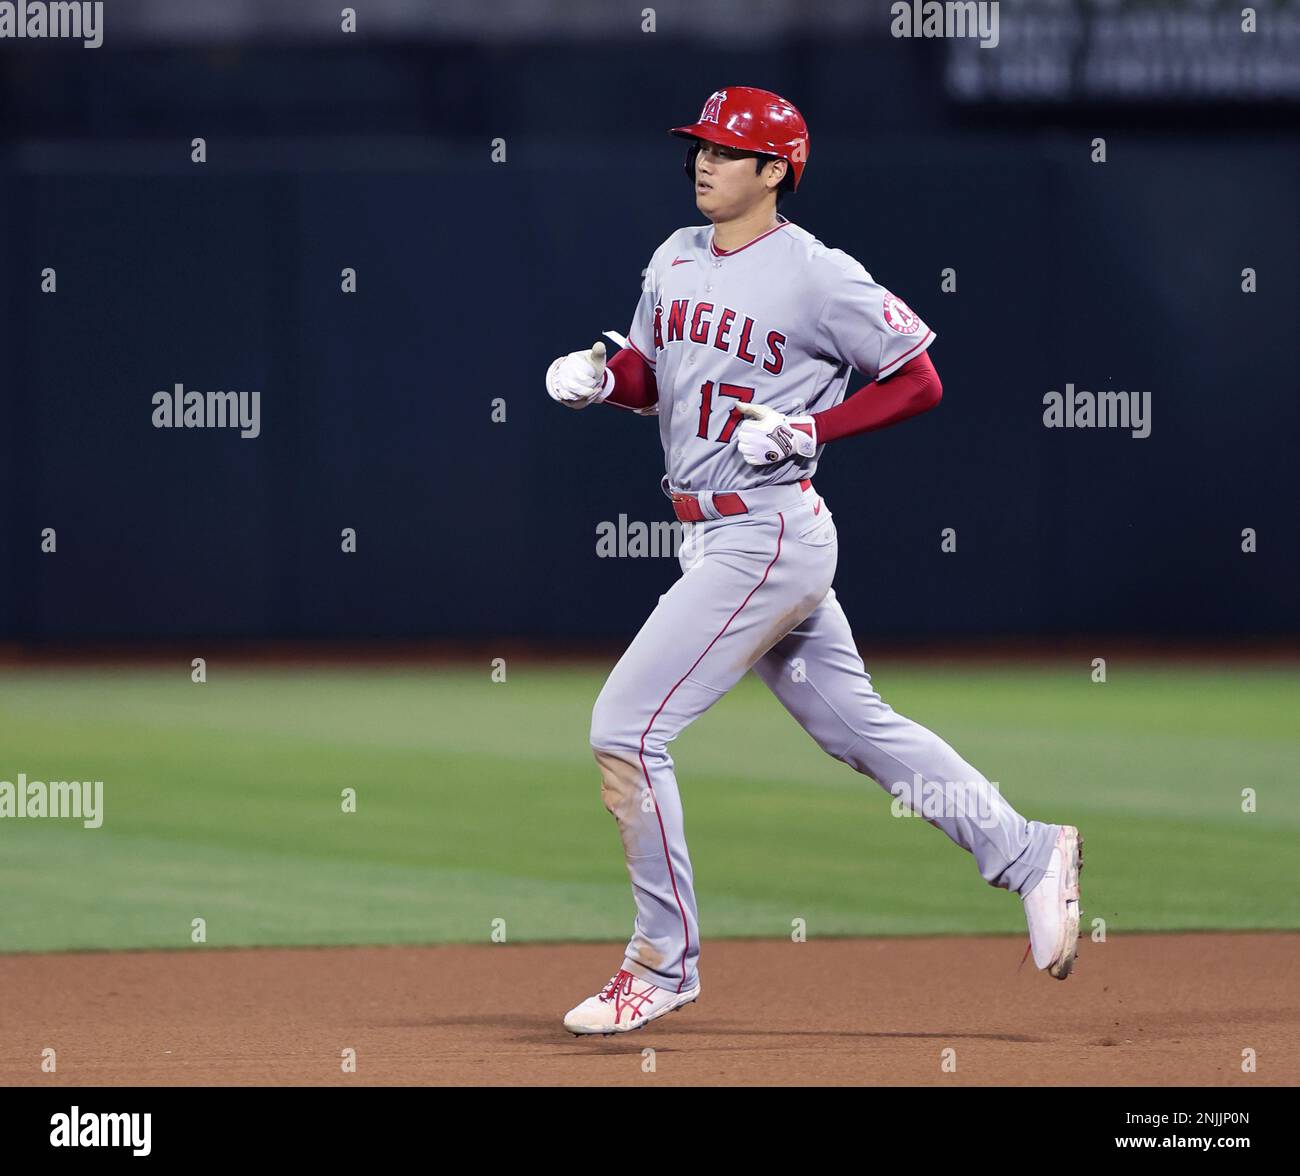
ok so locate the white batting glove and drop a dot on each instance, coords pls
(580, 378)
(768, 436)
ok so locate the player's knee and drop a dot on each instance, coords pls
(609, 732)
(852, 749)
(602, 733)
(847, 751)
(859, 758)
(617, 752)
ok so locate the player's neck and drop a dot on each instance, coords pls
(732, 234)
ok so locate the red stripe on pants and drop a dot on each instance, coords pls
(645, 771)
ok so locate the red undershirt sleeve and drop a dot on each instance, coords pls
(634, 382)
(912, 389)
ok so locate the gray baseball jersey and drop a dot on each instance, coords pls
(782, 321)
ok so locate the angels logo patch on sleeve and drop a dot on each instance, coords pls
(900, 317)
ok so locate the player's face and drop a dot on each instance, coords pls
(727, 184)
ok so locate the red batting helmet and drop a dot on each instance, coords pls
(752, 120)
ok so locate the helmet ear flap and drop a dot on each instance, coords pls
(691, 152)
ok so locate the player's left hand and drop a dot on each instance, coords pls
(769, 436)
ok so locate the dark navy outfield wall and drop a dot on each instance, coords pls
(376, 407)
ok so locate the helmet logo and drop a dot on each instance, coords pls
(713, 107)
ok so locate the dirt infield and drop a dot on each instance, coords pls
(1149, 1009)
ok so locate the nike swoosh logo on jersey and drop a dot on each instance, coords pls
(682, 260)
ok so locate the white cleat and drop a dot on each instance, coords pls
(627, 1002)
(1052, 907)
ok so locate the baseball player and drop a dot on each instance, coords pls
(744, 344)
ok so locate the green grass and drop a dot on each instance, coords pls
(480, 801)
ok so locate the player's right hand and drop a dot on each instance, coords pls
(580, 378)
